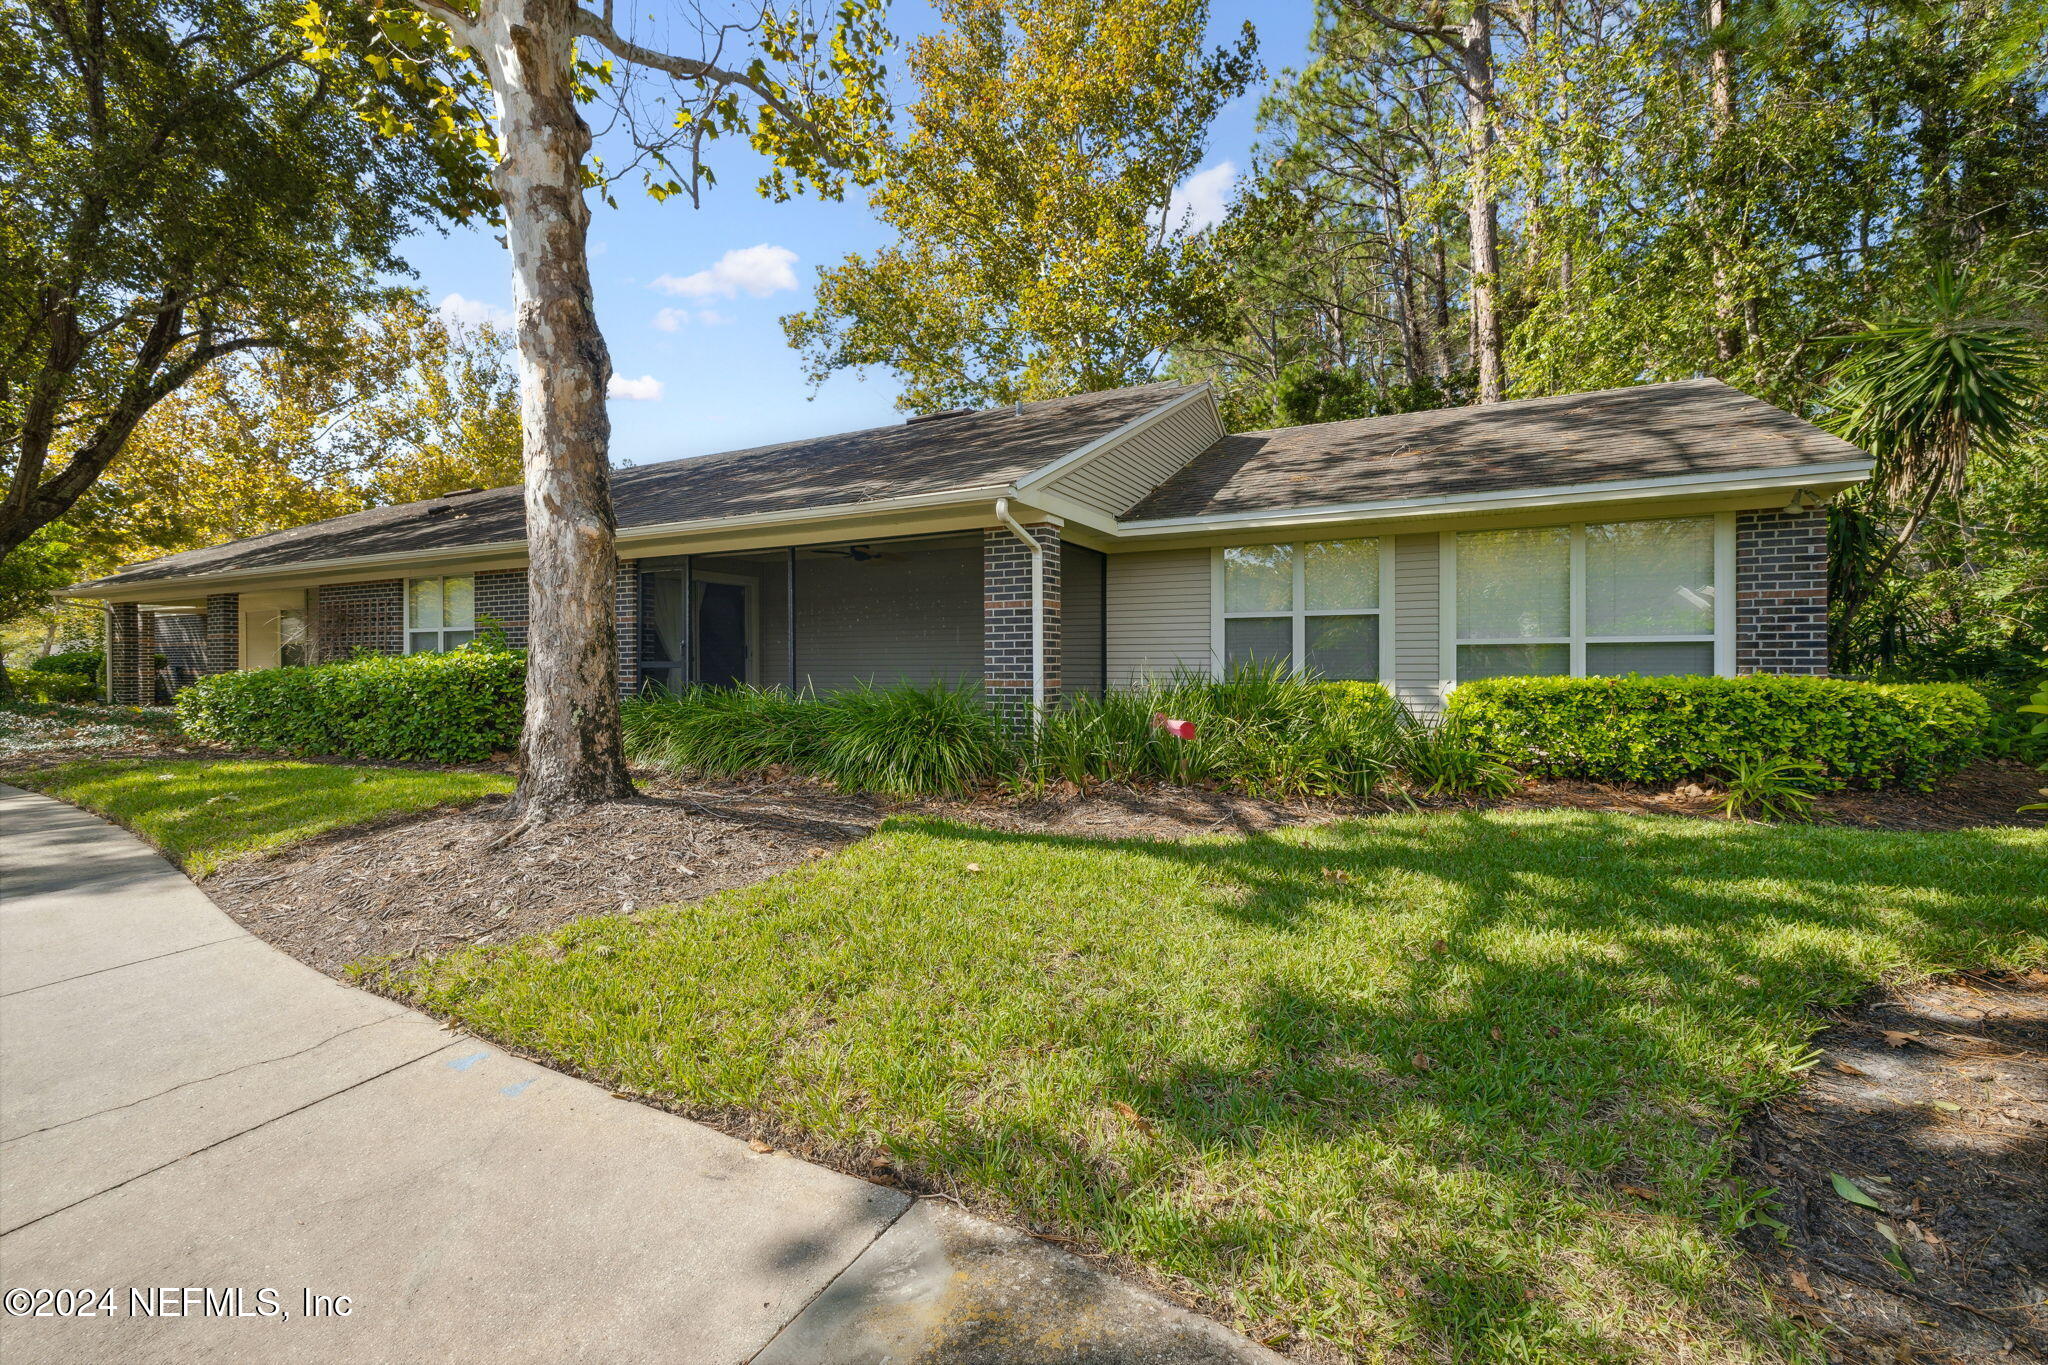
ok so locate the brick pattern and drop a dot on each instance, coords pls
(501, 596)
(347, 617)
(124, 654)
(148, 687)
(626, 635)
(1006, 619)
(1781, 592)
(223, 632)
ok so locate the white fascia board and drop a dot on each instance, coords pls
(1102, 443)
(492, 549)
(1620, 490)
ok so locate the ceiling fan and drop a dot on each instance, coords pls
(860, 554)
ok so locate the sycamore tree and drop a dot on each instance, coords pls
(1038, 248)
(508, 80)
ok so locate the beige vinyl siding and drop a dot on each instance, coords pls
(1418, 659)
(1113, 479)
(886, 621)
(1159, 616)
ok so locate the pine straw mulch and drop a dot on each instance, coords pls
(1933, 1101)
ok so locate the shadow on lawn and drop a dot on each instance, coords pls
(1592, 1005)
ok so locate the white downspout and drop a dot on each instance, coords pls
(1037, 609)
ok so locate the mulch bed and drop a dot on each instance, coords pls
(413, 885)
(1987, 793)
(1934, 1102)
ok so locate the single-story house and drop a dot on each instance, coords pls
(1080, 543)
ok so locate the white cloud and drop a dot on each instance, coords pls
(645, 389)
(1203, 198)
(673, 319)
(474, 312)
(754, 270)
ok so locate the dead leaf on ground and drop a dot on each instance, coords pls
(1132, 1117)
(755, 1144)
(1898, 1038)
(1639, 1191)
(1802, 1283)
(1848, 1070)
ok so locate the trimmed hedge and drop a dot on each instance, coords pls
(48, 685)
(456, 707)
(90, 662)
(1666, 729)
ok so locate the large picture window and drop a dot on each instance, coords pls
(1312, 607)
(1588, 600)
(440, 613)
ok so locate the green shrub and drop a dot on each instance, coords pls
(1635, 729)
(904, 741)
(87, 661)
(439, 708)
(720, 731)
(1259, 730)
(47, 685)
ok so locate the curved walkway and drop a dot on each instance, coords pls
(189, 1118)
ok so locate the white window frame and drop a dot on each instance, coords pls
(441, 631)
(1722, 638)
(1299, 614)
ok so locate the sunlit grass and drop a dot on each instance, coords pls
(1453, 1086)
(202, 813)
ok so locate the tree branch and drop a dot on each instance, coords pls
(600, 31)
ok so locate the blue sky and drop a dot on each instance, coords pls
(689, 298)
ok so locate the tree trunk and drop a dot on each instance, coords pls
(1728, 328)
(1482, 211)
(570, 753)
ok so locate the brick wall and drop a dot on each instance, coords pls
(347, 617)
(125, 654)
(1006, 619)
(626, 640)
(223, 632)
(1781, 592)
(501, 596)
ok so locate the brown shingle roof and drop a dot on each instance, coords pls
(982, 449)
(1698, 426)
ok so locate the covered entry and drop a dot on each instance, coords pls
(831, 616)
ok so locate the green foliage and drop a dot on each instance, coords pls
(1634, 729)
(1441, 760)
(1774, 786)
(49, 685)
(177, 186)
(1260, 730)
(1029, 196)
(901, 741)
(87, 661)
(456, 707)
(953, 739)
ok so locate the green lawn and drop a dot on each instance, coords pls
(202, 812)
(1452, 1086)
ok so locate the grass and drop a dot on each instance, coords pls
(1455, 1086)
(203, 813)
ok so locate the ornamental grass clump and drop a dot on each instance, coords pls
(901, 741)
(1260, 730)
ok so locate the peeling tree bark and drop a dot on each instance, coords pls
(570, 754)
(1728, 312)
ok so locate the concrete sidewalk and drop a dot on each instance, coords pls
(184, 1108)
